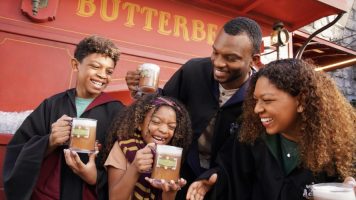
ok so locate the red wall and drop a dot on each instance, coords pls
(35, 56)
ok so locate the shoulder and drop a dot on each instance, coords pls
(197, 66)
(112, 103)
(196, 62)
(68, 94)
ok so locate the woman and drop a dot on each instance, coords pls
(298, 129)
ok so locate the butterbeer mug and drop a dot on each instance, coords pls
(83, 135)
(167, 161)
(331, 191)
(149, 75)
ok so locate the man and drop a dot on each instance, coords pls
(37, 165)
(212, 89)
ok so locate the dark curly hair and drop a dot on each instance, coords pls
(129, 119)
(328, 125)
(96, 44)
(248, 26)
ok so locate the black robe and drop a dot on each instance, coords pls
(194, 85)
(253, 173)
(28, 172)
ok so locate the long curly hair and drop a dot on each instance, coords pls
(129, 119)
(328, 125)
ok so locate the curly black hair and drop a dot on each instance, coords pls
(128, 120)
(328, 128)
(248, 26)
(96, 44)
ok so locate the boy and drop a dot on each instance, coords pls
(36, 165)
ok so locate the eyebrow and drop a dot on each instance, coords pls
(263, 95)
(98, 63)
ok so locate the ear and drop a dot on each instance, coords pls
(256, 61)
(74, 62)
(300, 108)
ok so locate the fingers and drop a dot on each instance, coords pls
(192, 191)
(60, 131)
(97, 147)
(350, 181)
(182, 182)
(193, 194)
(165, 186)
(212, 179)
(198, 189)
(132, 79)
(73, 160)
(143, 160)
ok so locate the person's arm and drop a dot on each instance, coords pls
(122, 182)
(25, 153)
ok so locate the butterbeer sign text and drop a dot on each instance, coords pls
(167, 23)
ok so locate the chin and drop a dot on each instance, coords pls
(271, 132)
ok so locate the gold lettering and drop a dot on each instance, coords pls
(163, 22)
(104, 12)
(131, 9)
(180, 22)
(150, 12)
(211, 33)
(86, 8)
(198, 32)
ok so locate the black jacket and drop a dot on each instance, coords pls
(253, 173)
(194, 85)
(27, 170)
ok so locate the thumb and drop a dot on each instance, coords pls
(92, 156)
(212, 179)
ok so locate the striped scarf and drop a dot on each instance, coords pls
(143, 189)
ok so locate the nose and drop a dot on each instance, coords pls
(163, 128)
(101, 74)
(258, 107)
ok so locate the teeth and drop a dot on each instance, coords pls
(158, 138)
(219, 70)
(97, 83)
(266, 119)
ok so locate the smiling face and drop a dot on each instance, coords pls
(158, 127)
(94, 74)
(277, 109)
(232, 59)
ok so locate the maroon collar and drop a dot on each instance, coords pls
(101, 99)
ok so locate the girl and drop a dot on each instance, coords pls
(150, 120)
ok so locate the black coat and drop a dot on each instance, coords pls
(253, 173)
(27, 170)
(194, 85)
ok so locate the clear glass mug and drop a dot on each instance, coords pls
(83, 135)
(330, 191)
(149, 76)
(167, 162)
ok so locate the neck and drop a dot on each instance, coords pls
(291, 137)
